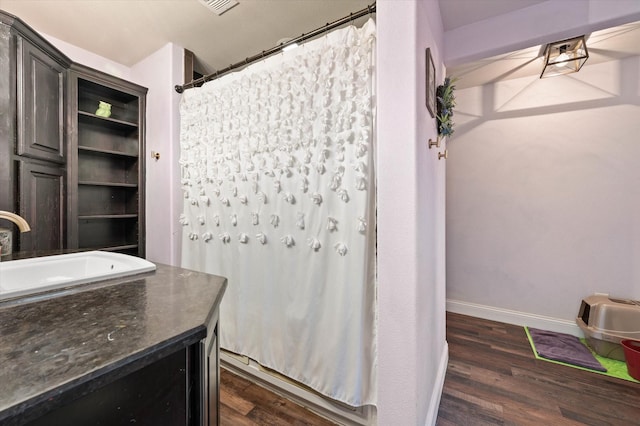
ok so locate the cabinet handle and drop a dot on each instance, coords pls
(444, 154)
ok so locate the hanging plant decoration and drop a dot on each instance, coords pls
(446, 100)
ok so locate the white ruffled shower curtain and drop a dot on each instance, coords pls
(278, 178)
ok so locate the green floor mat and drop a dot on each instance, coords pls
(614, 368)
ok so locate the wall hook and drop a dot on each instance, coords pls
(435, 143)
(444, 154)
(155, 155)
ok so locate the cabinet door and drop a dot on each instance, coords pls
(41, 196)
(151, 396)
(41, 126)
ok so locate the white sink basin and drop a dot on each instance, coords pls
(28, 276)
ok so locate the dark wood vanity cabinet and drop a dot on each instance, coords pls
(32, 134)
(212, 391)
(141, 350)
(178, 389)
(166, 392)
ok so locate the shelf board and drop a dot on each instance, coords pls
(106, 151)
(117, 184)
(107, 216)
(113, 248)
(113, 121)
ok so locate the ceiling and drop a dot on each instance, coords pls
(458, 13)
(605, 45)
(127, 31)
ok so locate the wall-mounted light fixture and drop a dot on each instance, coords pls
(564, 57)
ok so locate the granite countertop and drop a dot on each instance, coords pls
(55, 349)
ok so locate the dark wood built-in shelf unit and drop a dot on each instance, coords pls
(106, 201)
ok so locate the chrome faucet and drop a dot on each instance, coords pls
(23, 226)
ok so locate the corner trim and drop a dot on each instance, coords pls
(514, 317)
(436, 395)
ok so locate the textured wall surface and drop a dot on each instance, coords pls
(411, 282)
(543, 191)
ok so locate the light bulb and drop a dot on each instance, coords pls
(562, 60)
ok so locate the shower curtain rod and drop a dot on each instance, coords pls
(266, 53)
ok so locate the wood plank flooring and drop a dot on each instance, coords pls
(492, 379)
(243, 403)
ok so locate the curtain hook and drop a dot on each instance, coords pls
(351, 18)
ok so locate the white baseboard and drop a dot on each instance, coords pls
(436, 394)
(514, 317)
(335, 411)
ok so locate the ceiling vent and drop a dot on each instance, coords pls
(219, 6)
